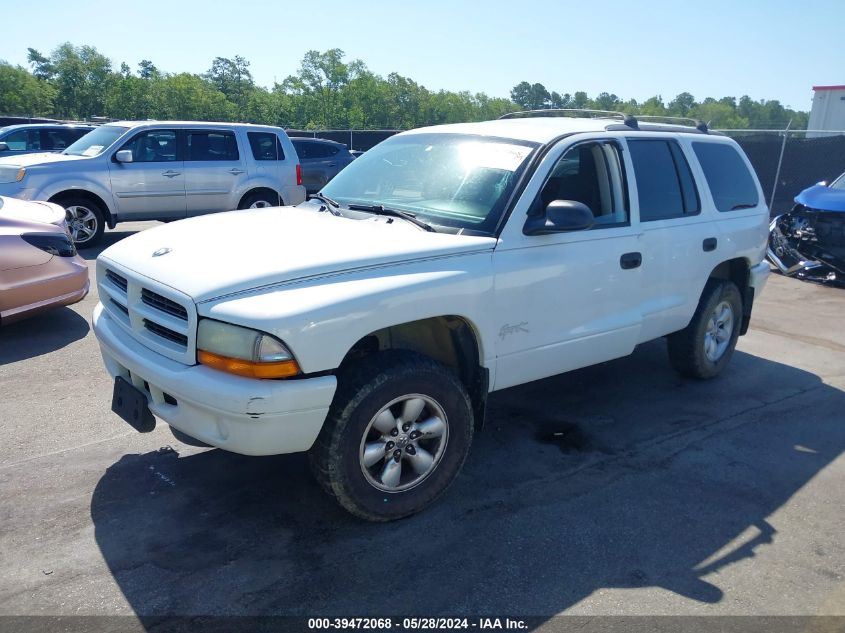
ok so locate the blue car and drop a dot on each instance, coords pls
(809, 241)
(39, 137)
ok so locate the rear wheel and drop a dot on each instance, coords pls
(705, 346)
(260, 200)
(85, 219)
(397, 434)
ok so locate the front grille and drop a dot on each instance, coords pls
(157, 316)
(116, 279)
(164, 304)
(167, 333)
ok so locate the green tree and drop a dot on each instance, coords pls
(22, 93)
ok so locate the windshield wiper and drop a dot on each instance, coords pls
(379, 209)
(328, 202)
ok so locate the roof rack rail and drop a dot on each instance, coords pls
(627, 119)
(698, 124)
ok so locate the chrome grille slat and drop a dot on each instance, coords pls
(167, 333)
(117, 280)
(164, 304)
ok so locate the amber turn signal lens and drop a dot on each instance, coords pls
(249, 369)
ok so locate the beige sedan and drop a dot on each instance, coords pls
(39, 266)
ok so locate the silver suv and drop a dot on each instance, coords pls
(157, 170)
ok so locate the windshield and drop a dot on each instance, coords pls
(839, 183)
(96, 141)
(454, 180)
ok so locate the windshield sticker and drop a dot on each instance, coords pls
(93, 150)
(492, 156)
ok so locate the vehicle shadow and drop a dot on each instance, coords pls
(41, 334)
(616, 476)
(109, 238)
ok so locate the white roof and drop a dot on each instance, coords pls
(536, 129)
(540, 129)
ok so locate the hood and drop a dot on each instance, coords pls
(823, 198)
(34, 211)
(215, 255)
(11, 165)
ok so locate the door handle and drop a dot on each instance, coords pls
(170, 173)
(332, 164)
(235, 171)
(709, 244)
(630, 260)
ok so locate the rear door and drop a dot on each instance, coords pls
(215, 171)
(152, 186)
(679, 236)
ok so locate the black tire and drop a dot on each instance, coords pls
(261, 198)
(364, 389)
(687, 347)
(86, 220)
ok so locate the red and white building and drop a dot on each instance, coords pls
(828, 111)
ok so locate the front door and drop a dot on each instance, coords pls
(568, 300)
(152, 186)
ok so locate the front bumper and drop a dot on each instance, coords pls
(242, 415)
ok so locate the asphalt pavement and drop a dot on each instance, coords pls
(618, 489)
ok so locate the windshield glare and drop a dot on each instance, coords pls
(96, 141)
(453, 180)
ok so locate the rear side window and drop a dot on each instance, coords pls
(731, 184)
(665, 186)
(212, 145)
(265, 146)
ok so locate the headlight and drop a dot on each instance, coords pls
(21, 174)
(242, 351)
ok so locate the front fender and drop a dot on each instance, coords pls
(320, 320)
(77, 183)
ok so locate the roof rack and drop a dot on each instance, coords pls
(698, 124)
(627, 119)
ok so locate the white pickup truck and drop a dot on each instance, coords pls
(369, 325)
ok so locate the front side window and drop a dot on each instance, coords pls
(96, 142)
(731, 184)
(455, 180)
(154, 146)
(590, 173)
(265, 146)
(212, 145)
(665, 185)
(17, 141)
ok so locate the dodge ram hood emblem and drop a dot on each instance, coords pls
(162, 251)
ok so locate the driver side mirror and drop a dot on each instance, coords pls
(124, 156)
(561, 216)
(4, 147)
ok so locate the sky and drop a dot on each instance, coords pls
(777, 49)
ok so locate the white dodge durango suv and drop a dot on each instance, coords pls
(158, 170)
(369, 325)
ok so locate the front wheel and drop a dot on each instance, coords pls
(85, 221)
(705, 346)
(397, 434)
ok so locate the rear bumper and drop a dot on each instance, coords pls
(757, 278)
(60, 282)
(242, 415)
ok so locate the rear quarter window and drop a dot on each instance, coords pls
(731, 184)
